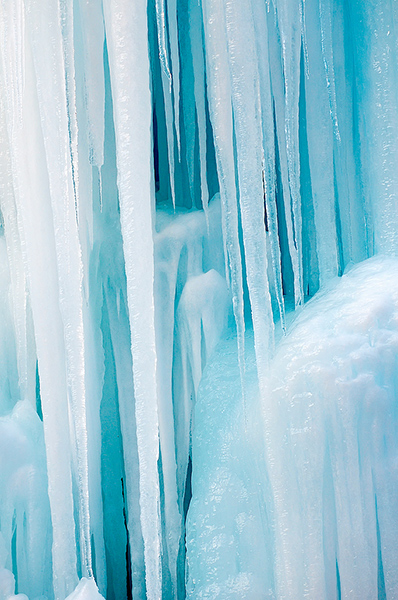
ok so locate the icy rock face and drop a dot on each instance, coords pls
(312, 512)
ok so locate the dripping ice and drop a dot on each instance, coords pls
(198, 300)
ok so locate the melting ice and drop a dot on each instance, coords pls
(198, 299)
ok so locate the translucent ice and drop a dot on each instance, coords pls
(317, 500)
(85, 590)
(180, 181)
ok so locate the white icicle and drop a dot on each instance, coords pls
(288, 16)
(280, 118)
(68, 48)
(34, 208)
(219, 94)
(21, 309)
(126, 25)
(168, 107)
(244, 82)
(93, 43)
(268, 144)
(162, 37)
(54, 89)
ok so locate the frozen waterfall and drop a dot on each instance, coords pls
(198, 299)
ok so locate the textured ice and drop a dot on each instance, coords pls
(181, 184)
(7, 586)
(86, 589)
(24, 507)
(286, 513)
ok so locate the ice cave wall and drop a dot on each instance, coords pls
(177, 179)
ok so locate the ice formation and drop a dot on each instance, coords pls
(198, 299)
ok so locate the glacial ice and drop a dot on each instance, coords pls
(198, 299)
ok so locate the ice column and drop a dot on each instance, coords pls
(127, 39)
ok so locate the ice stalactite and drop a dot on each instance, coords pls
(178, 180)
(132, 115)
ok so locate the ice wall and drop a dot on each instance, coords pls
(177, 179)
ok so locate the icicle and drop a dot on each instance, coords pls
(304, 37)
(93, 42)
(52, 89)
(244, 82)
(34, 208)
(328, 61)
(66, 17)
(188, 103)
(133, 117)
(353, 234)
(196, 35)
(162, 37)
(167, 85)
(219, 95)
(268, 154)
(22, 317)
(280, 118)
(165, 288)
(320, 151)
(377, 62)
(124, 373)
(170, 135)
(13, 32)
(175, 65)
(290, 40)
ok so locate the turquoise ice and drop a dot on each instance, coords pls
(198, 299)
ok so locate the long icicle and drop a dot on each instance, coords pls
(219, 94)
(126, 24)
(36, 229)
(198, 61)
(288, 13)
(268, 144)
(245, 94)
(55, 81)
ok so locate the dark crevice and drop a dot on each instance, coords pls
(338, 581)
(14, 551)
(38, 395)
(188, 489)
(129, 579)
(381, 586)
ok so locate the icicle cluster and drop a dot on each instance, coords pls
(173, 174)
